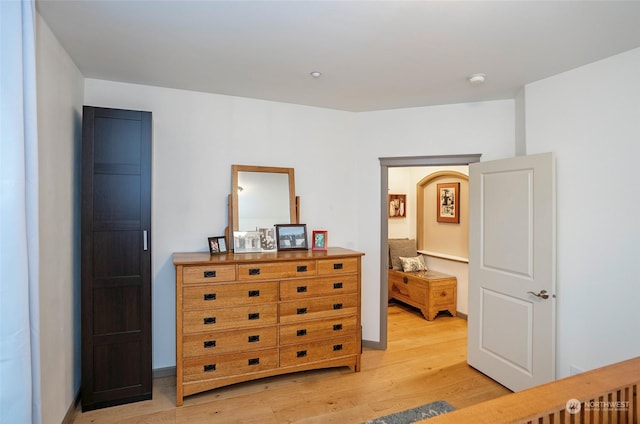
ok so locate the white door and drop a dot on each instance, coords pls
(512, 270)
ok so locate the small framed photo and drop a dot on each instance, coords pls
(319, 239)
(292, 236)
(218, 245)
(246, 242)
(448, 202)
(268, 239)
(397, 206)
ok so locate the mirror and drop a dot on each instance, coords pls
(262, 196)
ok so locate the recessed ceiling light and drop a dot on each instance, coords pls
(477, 79)
(316, 74)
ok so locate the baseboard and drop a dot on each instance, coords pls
(373, 345)
(164, 372)
(461, 315)
(71, 412)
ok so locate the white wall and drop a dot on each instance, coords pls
(590, 118)
(196, 139)
(60, 94)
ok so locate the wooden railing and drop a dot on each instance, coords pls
(604, 395)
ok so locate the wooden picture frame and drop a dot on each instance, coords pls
(268, 239)
(448, 202)
(397, 205)
(292, 236)
(246, 242)
(218, 245)
(319, 239)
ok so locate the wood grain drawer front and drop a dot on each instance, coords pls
(317, 351)
(443, 295)
(317, 308)
(337, 266)
(276, 270)
(214, 366)
(317, 330)
(207, 320)
(409, 288)
(220, 342)
(299, 289)
(208, 274)
(220, 295)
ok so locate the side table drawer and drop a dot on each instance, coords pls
(229, 341)
(216, 295)
(443, 296)
(214, 366)
(306, 331)
(208, 320)
(326, 307)
(317, 351)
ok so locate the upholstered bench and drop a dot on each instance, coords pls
(428, 290)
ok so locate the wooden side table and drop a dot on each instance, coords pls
(430, 291)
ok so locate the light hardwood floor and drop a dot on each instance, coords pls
(424, 362)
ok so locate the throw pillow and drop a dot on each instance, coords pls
(413, 264)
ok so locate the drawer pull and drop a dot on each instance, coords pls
(253, 361)
(301, 311)
(209, 274)
(405, 280)
(253, 339)
(302, 268)
(209, 296)
(337, 266)
(301, 333)
(337, 285)
(254, 293)
(209, 367)
(337, 306)
(337, 327)
(209, 344)
(254, 271)
(301, 354)
(253, 315)
(209, 320)
(301, 289)
(337, 347)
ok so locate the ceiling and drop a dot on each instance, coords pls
(373, 55)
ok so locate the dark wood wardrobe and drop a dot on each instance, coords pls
(116, 257)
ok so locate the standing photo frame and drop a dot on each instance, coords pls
(268, 239)
(218, 245)
(319, 239)
(246, 242)
(448, 201)
(292, 236)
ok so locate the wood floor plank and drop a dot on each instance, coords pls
(425, 361)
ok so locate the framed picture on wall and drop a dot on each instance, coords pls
(397, 206)
(448, 202)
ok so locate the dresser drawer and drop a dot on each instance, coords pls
(307, 331)
(220, 295)
(214, 366)
(207, 320)
(208, 274)
(299, 289)
(337, 266)
(276, 270)
(317, 308)
(229, 341)
(317, 351)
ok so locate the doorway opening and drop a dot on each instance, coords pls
(385, 164)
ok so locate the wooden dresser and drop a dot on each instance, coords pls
(250, 315)
(430, 291)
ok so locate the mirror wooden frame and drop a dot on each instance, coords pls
(293, 200)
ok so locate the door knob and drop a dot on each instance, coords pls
(543, 294)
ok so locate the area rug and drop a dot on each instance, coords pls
(416, 414)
